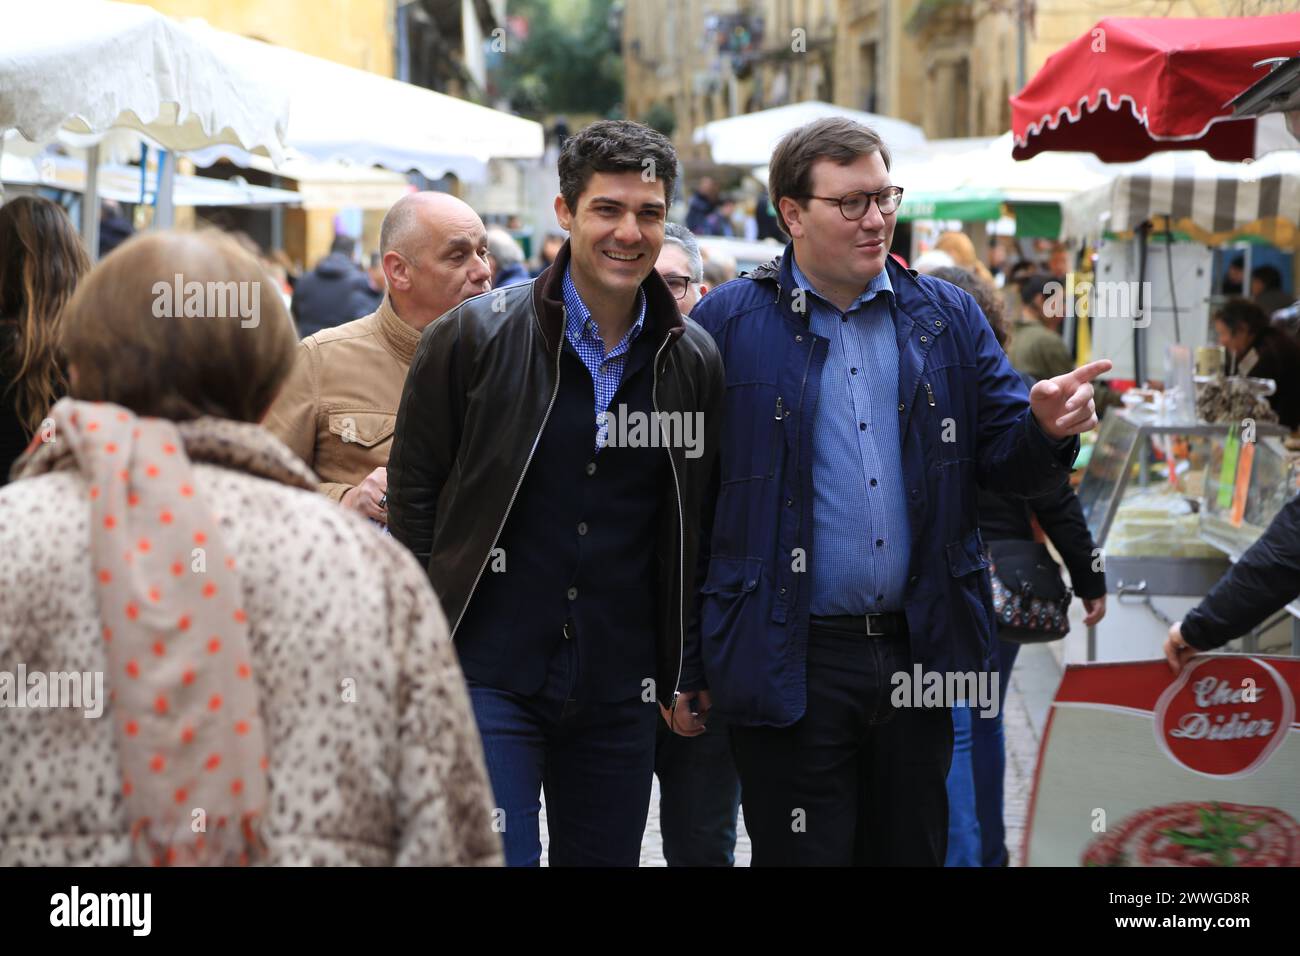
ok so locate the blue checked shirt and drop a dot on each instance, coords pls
(861, 533)
(606, 369)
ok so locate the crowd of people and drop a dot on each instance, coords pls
(368, 575)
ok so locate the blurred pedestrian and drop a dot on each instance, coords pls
(368, 296)
(560, 536)
(338, 406)
(699, 789)
(1266, 289)
(1257, 349)
(210, 604)
(959, 246)
(506, 259)
(718, 268)
(550, 249)
(932, 260)
(1036, 347)
(41, 261)
(322, 299)
(702, 205)
(719, 221)
(1234, 277)
(1013, 529)
(115, 227)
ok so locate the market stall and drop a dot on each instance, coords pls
(1154, 225)
(1131, 87)
(123, 66)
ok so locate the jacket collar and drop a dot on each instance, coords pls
(548, 301)
(398, 337)
(912, 301)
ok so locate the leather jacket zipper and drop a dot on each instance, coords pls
(520, 483)
(681, 533)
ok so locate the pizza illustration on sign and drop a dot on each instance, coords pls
(1200, 834)
(1139, 767)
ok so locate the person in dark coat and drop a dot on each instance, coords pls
(1261, 351)
(1007, 518)
(323, 297)
(1266, 289)
(703, 202)
(1266, 578)
(368, 295)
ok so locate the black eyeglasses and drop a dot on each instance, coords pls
(677, 285)
(855, 204)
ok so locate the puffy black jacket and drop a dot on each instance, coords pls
(1265, 579)
(476, 400)
(322, 298)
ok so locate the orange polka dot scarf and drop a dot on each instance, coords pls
(185, 705)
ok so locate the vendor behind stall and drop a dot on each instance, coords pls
(1261, 351)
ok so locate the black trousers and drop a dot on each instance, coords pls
(855, 781)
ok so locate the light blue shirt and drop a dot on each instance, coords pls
(606, 368)
(861, 535)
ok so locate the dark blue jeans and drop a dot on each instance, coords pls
(699, 796)
(989, 765)
(594, 762)
(976, 832)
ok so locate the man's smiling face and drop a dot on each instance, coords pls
(617, 230)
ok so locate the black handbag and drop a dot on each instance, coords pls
(1030, 600)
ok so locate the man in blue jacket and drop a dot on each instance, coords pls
(864, 405)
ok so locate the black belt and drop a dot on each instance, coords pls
(891, 624)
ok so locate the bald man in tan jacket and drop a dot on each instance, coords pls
(338, 408)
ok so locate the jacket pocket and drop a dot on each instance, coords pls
(967, 554)
(729, 584)
(366, 429)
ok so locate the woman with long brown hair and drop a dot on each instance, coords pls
(41, 261)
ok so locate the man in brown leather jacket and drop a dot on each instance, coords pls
(338, 407)
(552, 449)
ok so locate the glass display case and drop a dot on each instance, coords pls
(1143, 495)
(1245, 488)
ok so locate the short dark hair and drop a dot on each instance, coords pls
(615, 146)
(835, 138)
(1271, 277)
(1034, 286)
(344, 244)
(985, 296)
(1238, 313)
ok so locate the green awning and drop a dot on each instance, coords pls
(1037, 220)
(962, 205)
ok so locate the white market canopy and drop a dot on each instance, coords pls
(341, 114)
(123, 183)
(748, 139)
(88, 66)
(1208, 199)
